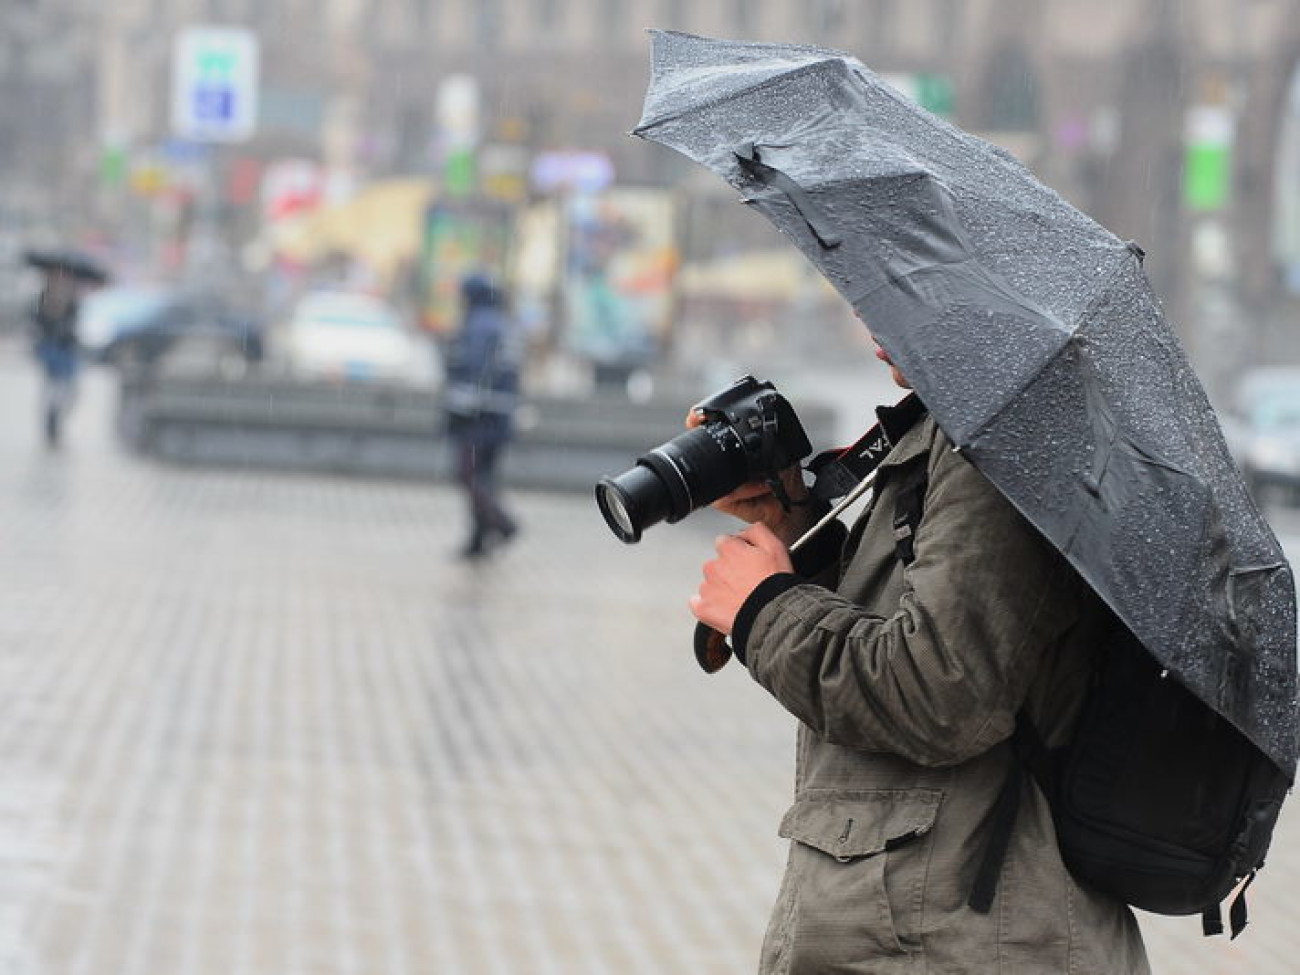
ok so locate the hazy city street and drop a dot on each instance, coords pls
(263, 723)
(284, 690)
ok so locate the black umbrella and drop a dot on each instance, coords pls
(78, 265)
(1029, 331)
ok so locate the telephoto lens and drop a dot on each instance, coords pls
(668, 483)
(632, 502)
(750, 432)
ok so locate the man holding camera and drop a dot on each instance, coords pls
(906, 646)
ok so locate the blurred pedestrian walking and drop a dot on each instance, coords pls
(54, 319)
(483, 362)
(54, 323)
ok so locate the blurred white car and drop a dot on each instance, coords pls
(106, 314)
(355, 337)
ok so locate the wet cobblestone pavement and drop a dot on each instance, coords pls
(259, 724)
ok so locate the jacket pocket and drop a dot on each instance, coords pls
(859, 863)
(848, 824)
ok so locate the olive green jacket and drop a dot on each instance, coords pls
(906, 682)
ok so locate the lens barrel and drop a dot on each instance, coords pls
(749, 433)
(632, 502)
(692, 470)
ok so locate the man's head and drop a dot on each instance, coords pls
(894, 371)
(883, 356)
(481, 289)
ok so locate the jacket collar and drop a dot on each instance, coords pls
(902, 425)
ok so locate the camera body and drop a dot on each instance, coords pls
(750, 433)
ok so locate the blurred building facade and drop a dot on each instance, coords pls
(1169, 121)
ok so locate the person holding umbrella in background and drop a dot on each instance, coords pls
(54, 321)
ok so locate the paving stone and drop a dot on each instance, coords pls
(259, 724)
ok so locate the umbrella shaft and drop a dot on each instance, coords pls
(836, 511)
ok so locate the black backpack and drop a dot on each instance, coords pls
(1157, 800)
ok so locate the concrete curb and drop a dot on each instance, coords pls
(563, 443)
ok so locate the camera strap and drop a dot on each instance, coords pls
(837, 472)
(768, 447)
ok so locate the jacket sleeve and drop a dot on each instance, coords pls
(940, 679)
(816, 562)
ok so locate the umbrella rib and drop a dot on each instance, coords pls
(1073, 340)
(721, 99)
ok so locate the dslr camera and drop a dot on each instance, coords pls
(750, 433)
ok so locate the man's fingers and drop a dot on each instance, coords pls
(743, 561)
(723, 542)
(703, 611)
(760, 536)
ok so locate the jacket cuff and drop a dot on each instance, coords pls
(764, 593)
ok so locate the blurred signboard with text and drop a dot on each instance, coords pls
(214, 84)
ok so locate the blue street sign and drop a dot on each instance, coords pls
(214, 92)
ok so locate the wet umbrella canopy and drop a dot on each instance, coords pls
(76, 264)
(1029, 331)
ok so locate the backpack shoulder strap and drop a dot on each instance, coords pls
(1027, 746)
(995, 850)
(909, 503)
(1028, 753)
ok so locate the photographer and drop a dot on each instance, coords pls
(906, 646)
